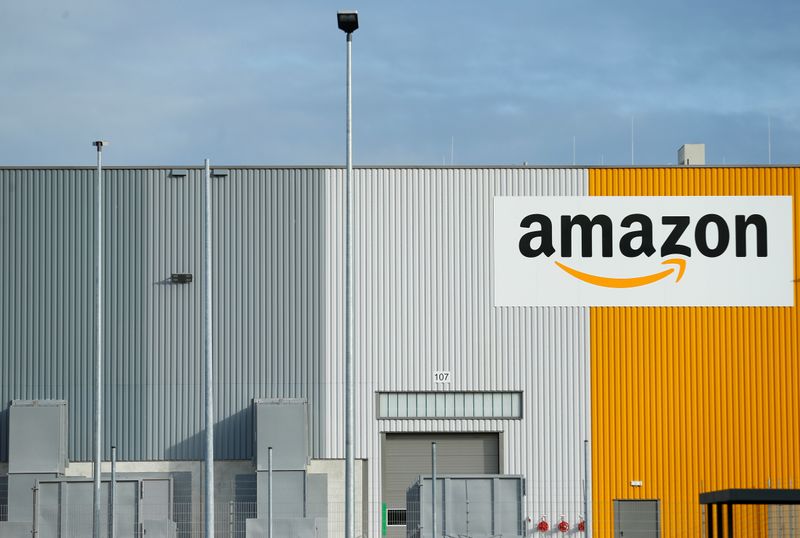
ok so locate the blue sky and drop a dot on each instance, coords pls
(257, 82)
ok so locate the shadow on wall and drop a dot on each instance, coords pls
(3, 498)
(270, 304)
(227, 433)
(233, 506)
(4, 432)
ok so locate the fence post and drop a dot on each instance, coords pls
(35, 529)
(269, 491)
(230, 518)
(433, 489)
(586, 488)
(113, 492)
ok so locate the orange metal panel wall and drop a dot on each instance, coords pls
(694, 399)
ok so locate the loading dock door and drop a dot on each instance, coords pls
(636, 519)
(405, 456)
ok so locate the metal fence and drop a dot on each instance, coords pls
(454, 520)
(639, 519)
(654, 518)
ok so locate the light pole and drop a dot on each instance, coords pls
(209, 396)
(98, 367)
(348, 23)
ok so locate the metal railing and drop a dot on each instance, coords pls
(687, 519)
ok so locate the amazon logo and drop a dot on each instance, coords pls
(677, 239)
(643, 251)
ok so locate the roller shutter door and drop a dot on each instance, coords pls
(405, 456)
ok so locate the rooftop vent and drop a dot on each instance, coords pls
(692, 154)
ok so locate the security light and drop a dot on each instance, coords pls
(348, 21)
(181, 278)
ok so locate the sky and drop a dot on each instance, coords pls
(434, 82)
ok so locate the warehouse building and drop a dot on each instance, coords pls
(623, 339)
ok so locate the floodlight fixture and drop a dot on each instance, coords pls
(348, 21)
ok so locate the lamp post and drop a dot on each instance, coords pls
(98, 367)
(209, 378)
(348, 23)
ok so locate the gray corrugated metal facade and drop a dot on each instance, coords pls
(269, 292)
(423, 302)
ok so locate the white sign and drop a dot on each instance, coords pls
(643, 251)
(441, 377)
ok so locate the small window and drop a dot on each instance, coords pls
(402, 405)
(395, 517)
(449, 405)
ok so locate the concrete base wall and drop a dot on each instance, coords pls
(234, 487)
(235, 490)
(334, 469)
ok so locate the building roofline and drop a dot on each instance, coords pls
(391, 167)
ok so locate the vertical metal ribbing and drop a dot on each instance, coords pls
(751, 353)
(98, 367)
(349, 474)
(209, 485)
(442, 281)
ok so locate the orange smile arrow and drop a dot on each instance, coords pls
(633, 282)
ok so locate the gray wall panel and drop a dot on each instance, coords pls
(269, 297)
(128, 306)
(423, 268)
(423, 300)
(48, 345)
(174, 360)
(268, 293)
(46, 299)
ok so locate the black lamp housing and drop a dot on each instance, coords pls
(348, 21)
(181, 278)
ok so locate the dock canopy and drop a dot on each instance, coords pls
(716, 499)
